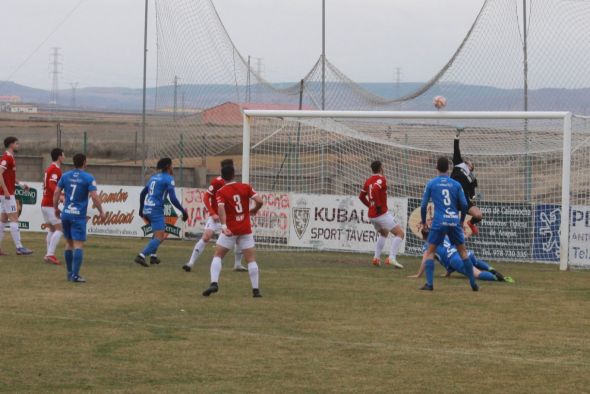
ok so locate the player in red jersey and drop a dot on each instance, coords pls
(53, 223)
(374, 196)
(8, 182)
(213, 225)
(234, 214)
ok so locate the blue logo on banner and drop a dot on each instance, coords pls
(546, 243)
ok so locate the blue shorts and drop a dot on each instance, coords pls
(157, 222)
(456, 236)
(74, 228)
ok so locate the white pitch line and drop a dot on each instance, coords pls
(395, 348)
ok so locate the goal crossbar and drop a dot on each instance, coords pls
(407, 114)
(565, 117)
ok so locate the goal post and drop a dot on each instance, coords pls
(526, 163)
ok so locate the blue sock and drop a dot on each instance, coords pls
(479, 264)
(78, 257)
(469, 270)
(151, 247)
(484, 275)
(429, 265)
(69, 255)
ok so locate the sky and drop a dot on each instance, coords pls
(101, 43)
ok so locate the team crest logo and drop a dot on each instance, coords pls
(300, 220)
(550, 221)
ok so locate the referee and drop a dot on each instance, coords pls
(463, 173)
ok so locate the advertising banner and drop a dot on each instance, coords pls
(121, 206)
(505, 233)
(270, 225)
(193, 202)
(580, 235)
(333, 222)
(29, 207)
(546, 242)
(120, 203)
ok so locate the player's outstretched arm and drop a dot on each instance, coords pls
(142, 195)
(96, 202)
(364, 199)
(457, 159)
(420, 271)
(2, 184)
(208, 200)
(257, 204)
(56, 196)
(223, 218)
(177, 204)
(424, 205)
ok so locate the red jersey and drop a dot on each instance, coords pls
(374, 195)
(235, 198)
(52, 176)
(210, 198)
(8, 164)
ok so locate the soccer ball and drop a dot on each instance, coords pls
(439, 102)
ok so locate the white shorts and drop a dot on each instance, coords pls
(385, 222)
(8, 205)
(49, 215)
(213, 225)
(242, 242)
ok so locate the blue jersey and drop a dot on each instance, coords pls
(445, 253)
(157, 189)
(448, 199)
(76, 184)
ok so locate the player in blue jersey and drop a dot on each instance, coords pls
(450, 208)
(77, 186)
(446, 254)
(151, 208)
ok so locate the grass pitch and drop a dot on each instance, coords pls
(327, 323)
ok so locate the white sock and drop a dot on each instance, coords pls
(253, 272)
(395, 244)
(379, 246)
(199, 248)
(48, 240)
(14, 230)
(53, 243)
(215, 269)
(238, 258)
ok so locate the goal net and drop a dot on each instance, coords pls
(310, 166)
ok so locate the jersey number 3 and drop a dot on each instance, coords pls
(238, 201)
(446, 197)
